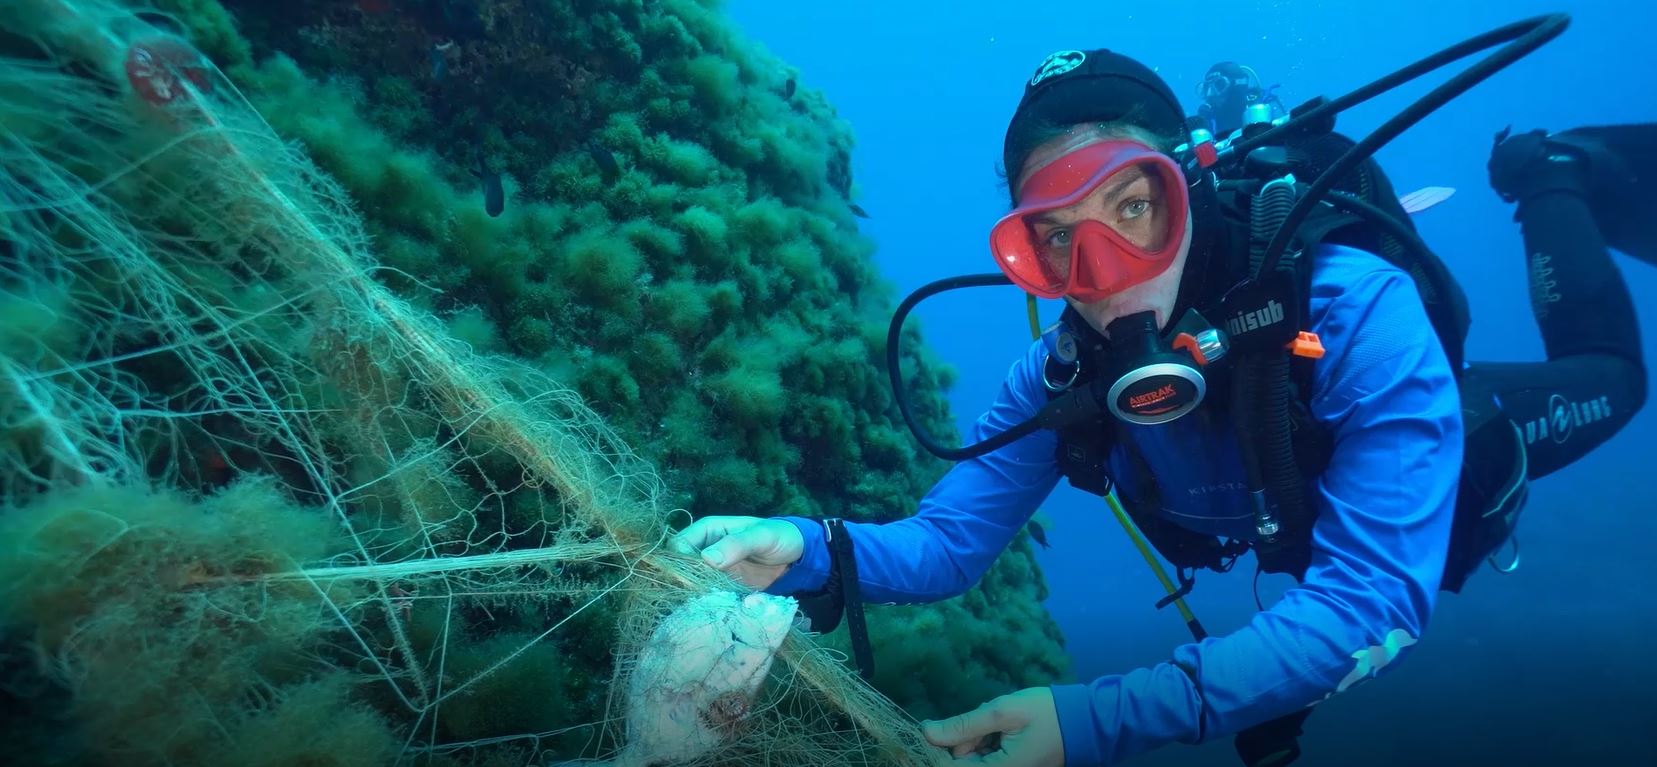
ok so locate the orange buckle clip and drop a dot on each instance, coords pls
(1306, 345)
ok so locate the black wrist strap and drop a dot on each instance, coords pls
(840, 548)
(839, 596)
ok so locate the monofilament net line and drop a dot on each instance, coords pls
(228, 175)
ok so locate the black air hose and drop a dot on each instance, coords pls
(1263, 393)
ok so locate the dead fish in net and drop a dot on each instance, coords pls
(698, 675)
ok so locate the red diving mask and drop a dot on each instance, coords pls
(1143, 210)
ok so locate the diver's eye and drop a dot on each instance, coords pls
(1135, 208)
(1059, 238)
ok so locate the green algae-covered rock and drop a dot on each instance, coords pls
(676, 245)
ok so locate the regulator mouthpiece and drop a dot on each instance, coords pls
(1154, 383)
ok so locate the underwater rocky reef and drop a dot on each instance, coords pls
(635, 200)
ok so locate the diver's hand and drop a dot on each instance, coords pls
(755, 550)
(1020, 729)
(1525, 165)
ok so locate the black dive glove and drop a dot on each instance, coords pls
(1531, 164)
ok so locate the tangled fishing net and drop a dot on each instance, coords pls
(257, 510)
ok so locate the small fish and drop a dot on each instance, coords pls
(857, 210)
(1039, 534)
(698, 675)
(788, 89)
(605, 159)
(1424, 198)
(440, 62)
(213, 467)
(494, 198)
(214, 460)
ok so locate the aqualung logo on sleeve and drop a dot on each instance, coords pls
(1244, 322)
(1564, 416)
(1057, 64)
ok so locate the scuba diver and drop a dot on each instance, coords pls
(1326, 422)
(1231, 97)
(1227, 91)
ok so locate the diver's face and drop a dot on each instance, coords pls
(1226, 99)
(1135, 205)
(1228, 111)
(1233, 99)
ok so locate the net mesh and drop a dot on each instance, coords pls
(260, 510)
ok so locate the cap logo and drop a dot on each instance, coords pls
(1057, 64)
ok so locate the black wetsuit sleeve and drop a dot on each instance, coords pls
(1594, 379)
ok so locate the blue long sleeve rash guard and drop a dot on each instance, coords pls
(1384, 505)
